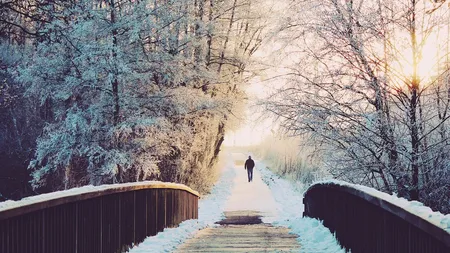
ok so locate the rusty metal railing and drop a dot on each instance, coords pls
(102, 220)
(366, 224)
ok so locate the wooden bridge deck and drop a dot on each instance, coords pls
(242, 231)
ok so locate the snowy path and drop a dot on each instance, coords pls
(272, 198)
(243, 230)
(241, 237)
(254, 196)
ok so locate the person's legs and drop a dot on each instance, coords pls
(250, 174)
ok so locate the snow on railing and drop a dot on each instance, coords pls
(81, 192)
(367, 220)
(415, 207)
(107, 218)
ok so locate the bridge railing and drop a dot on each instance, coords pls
(102, 219)
(366, 223)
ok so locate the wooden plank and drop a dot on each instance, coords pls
(241, 237)
(140, 221)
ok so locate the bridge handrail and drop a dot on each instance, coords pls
(10, 209)
(334, 203)
(97, 219)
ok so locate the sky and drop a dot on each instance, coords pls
(257, 125)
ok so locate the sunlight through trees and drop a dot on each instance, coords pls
(369, 87)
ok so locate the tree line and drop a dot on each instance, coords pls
(369, 87)
(111, 91)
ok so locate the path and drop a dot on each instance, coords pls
(246, 227)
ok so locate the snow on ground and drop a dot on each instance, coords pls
(277, 199)
(313, 236)
(254, 196)
(210, 210)
(279, 202)
(415, 207)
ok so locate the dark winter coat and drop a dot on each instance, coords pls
(249, 164)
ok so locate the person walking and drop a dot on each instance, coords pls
(249, 164)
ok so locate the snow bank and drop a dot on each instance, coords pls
(313, 236)
(11, 204)
(415, 207)
(210, 211)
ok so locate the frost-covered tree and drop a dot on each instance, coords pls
(359, 89)
(133, 90)
(107, 84)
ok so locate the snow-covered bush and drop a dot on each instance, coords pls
(287, 157)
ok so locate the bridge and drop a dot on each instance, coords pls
(114, 218)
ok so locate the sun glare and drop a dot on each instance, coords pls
(426, 65)
(429, 55)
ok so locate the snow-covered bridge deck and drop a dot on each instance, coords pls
(242, 231)
(242, 216)
(265, 215)
(280, 206)
(246, 227)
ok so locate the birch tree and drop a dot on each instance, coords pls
(360, 89)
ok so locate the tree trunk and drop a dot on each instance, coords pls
(209, 34)
(227, 38)
(115, 83)
(414, 87)
(199, 12)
